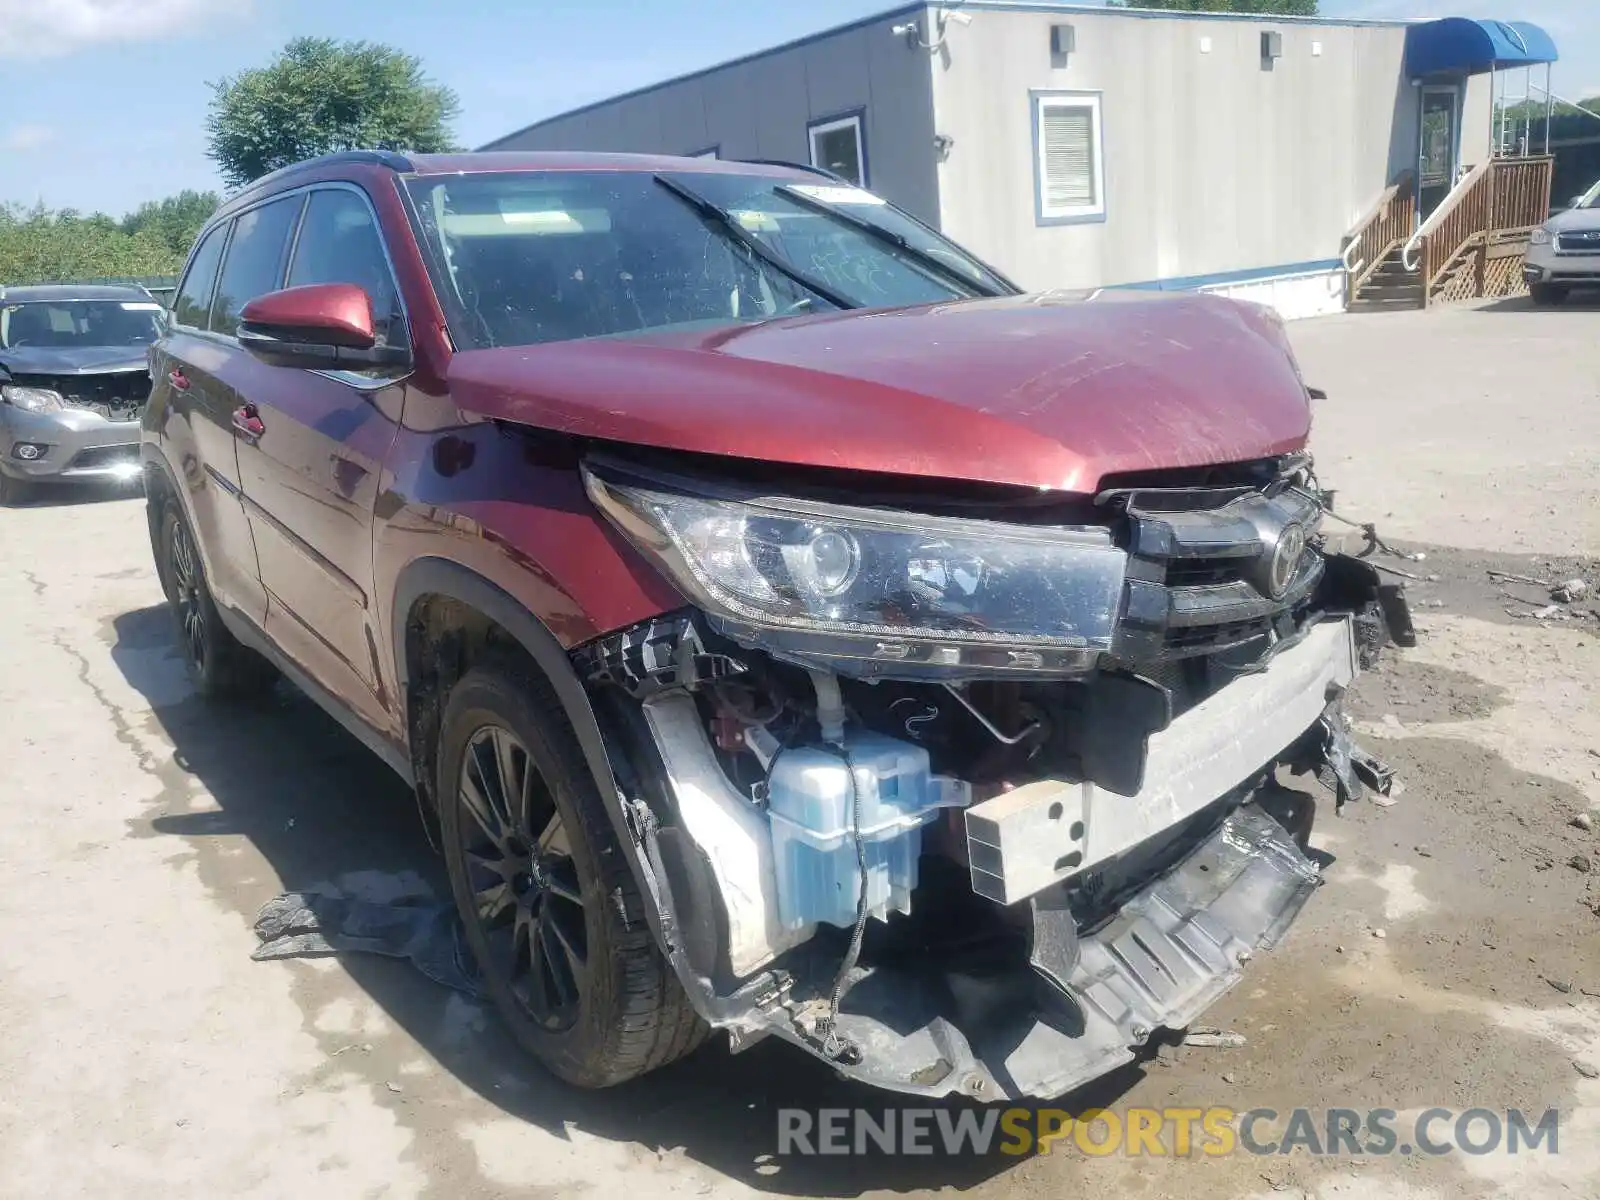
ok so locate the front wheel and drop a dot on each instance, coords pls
(1547, 293)
(552, 911)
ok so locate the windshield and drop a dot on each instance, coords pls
(79, 324)
(1590, 199)
(534, 257)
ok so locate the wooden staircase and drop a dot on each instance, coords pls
(1389, 287)
(1470, 247)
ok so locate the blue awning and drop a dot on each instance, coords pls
(1457, 45)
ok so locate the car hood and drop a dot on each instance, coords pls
(1574, 219)
(1051, 391)
(76, 360)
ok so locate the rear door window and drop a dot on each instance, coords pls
(254, 265)
(193, 301)
(340, 243)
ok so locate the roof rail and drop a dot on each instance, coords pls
(391, 159)
(807, 167)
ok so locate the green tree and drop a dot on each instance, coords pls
(41, 245)
(1534, 109)
(176, 220)
(319, 96)
(1281, 8)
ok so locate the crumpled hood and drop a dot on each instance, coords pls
(75, 360)
(1050, 391)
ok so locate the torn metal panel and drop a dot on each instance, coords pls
(1347, 770)
(727, 829)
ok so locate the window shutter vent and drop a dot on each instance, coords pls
(1068, 152)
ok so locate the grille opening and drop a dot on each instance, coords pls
(1198, 572)
(104, 456)
(1197, 638)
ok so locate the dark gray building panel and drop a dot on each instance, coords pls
(782, 103)
(731, 121)
(764, 106)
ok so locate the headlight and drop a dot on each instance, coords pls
(32, 399)
(871, 592)
(1540, 237)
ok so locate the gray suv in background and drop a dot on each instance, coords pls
(1565, 251)
(74, 379)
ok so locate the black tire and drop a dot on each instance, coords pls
(1547, 293)
(221, 666)
(14, 491)
(549, 904)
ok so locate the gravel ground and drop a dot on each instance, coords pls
(148, 1056)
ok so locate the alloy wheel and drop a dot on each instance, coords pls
(187, 596)
(526, 893)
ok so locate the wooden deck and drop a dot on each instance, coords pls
(1471, 246)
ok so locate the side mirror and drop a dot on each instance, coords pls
(1576, 201)
(320, 327)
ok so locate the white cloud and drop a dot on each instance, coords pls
(48, 27)
(20, 139)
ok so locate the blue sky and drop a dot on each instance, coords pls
(102, 101)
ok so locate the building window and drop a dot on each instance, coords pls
(1068, 158)
(837, 145)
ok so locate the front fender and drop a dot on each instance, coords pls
(441, 577)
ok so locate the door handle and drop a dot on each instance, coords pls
(178, 380)
(247, 422)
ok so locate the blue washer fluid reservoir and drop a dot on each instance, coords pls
(809, 803)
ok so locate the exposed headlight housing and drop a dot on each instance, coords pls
(32, 399)
(1540, 237)
(871, 592)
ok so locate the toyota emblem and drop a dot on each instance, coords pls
(1285, 558)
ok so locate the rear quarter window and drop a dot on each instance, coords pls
(193, 301)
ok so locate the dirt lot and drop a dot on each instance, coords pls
(1453, 959)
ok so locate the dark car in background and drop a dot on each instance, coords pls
(790, 627)
(74, 378)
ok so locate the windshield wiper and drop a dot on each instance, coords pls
(725, 221)
(898, 242)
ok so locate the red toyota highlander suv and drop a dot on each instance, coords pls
(790, 627)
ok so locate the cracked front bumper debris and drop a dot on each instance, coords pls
(1171, 950)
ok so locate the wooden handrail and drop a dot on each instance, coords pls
(1463, 216)
(1500, 195)
(1385, 225)
(1522, 192)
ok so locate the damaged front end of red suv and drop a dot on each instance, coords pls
(976, 805)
